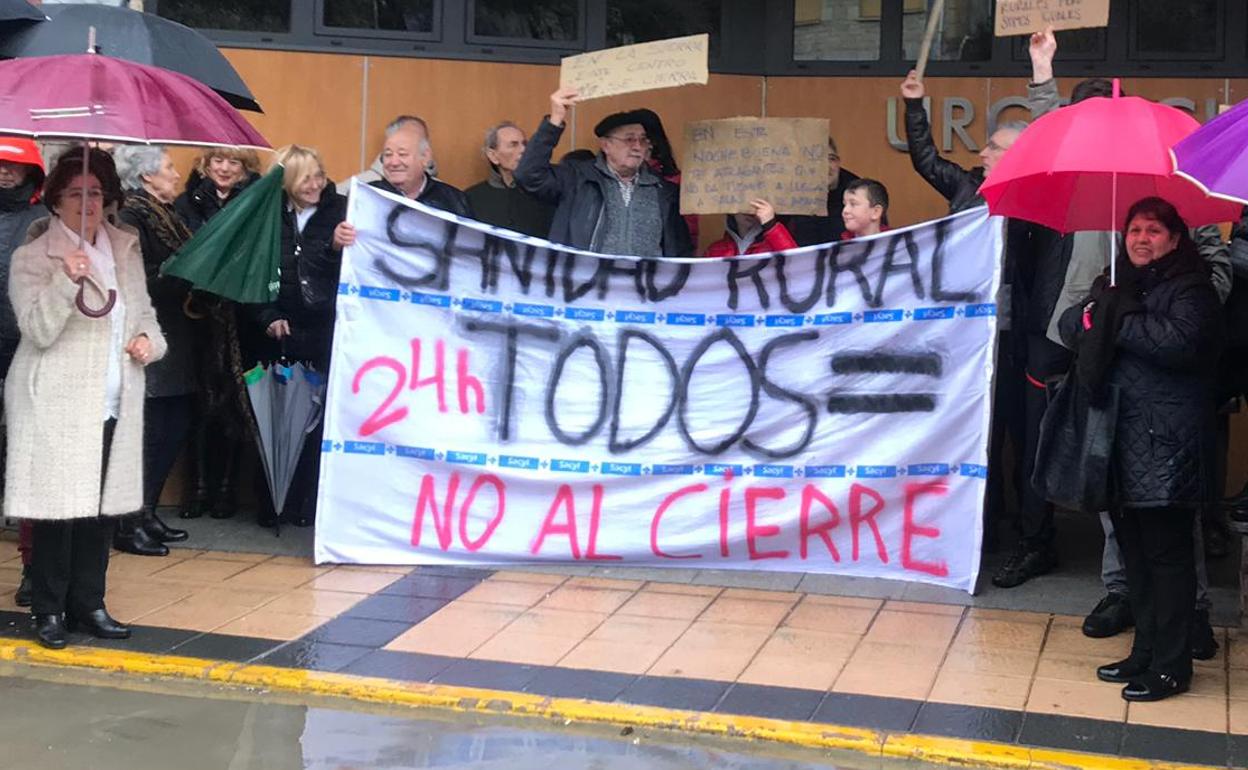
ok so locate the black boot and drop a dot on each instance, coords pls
(1204, 643)
(50, 631)
(132, 538)
(22, 597)
(159, 530)
(99, 624)
(224, 506)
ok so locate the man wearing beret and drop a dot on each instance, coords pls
(613, 204)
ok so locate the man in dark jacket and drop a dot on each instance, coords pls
(613, 204)
(960, 186)
(499, 200)
(405, 160)
(811, 230)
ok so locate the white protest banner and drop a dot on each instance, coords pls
(677, 61)
(496, 399)
(1023, 17)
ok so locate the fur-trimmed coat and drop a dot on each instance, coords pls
(54, 394)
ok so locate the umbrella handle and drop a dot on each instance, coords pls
(80, 301)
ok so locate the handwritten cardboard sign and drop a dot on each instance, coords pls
(727, 163)
(1023, 17)
(678, 61)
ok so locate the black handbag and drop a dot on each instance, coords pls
(1075, 448)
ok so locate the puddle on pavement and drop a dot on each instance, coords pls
(59, 718)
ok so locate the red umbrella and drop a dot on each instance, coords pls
(93, 97)
(1083, 166)
(90, 96)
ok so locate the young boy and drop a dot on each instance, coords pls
(757, 233)
(866, 208)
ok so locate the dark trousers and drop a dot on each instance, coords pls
(1158, 550)
(166, 426)
(70, 558)
(1007, 428)
(1045, 361)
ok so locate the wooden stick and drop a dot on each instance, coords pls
(925, 50)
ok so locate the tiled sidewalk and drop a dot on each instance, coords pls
(891, 665)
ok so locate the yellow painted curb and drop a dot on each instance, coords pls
(935, 749)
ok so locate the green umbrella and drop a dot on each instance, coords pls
(236, 255)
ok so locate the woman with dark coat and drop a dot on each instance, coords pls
(222, 416)
(150, 181)
(1155, 337)
(299, 325)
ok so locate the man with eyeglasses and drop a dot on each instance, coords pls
(613, 204)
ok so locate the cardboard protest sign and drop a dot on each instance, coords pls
(1023, 17)
(727, 163)
(500, 399)
(679, 61)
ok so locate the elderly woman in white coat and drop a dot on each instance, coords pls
(75, 392)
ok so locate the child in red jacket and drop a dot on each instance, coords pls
(865, 209)
(756, 233)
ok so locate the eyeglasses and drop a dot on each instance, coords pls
(640, 140)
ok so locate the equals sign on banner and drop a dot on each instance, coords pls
(880, 362)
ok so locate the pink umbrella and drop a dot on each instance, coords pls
(93, 97)
(1083, 166)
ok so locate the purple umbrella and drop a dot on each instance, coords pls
(1215, 156)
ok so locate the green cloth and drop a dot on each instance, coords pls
(237, 254)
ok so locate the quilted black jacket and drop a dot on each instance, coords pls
(1164, 367)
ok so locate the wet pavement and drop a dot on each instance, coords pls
(53, 718)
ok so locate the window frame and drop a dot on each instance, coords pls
(1220, 36)
(321, 29)
(473, 39)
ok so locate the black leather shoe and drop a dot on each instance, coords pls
(1151, 686)
(160, 531)
(224, 507)
(1122, 671)
(1023, 565)
(1204, 643)
(99, 624)
(50, 631)
(1110, 617)
(22, 597)
(133, 538)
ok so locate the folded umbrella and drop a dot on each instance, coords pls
(287, 402)
(140, 37)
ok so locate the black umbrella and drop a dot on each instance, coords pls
(19, 11)
(125, 34)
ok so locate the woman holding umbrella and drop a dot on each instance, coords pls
(219, 176)
(74, 395)
(299, 325)
(1154, 337)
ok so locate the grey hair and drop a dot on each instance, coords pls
(1013, 125)
(491, 135)
(396, 125)
(393, 126)
(135, 161)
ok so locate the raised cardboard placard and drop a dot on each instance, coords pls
(1023, 17)
(727, 163)
(678, 61)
